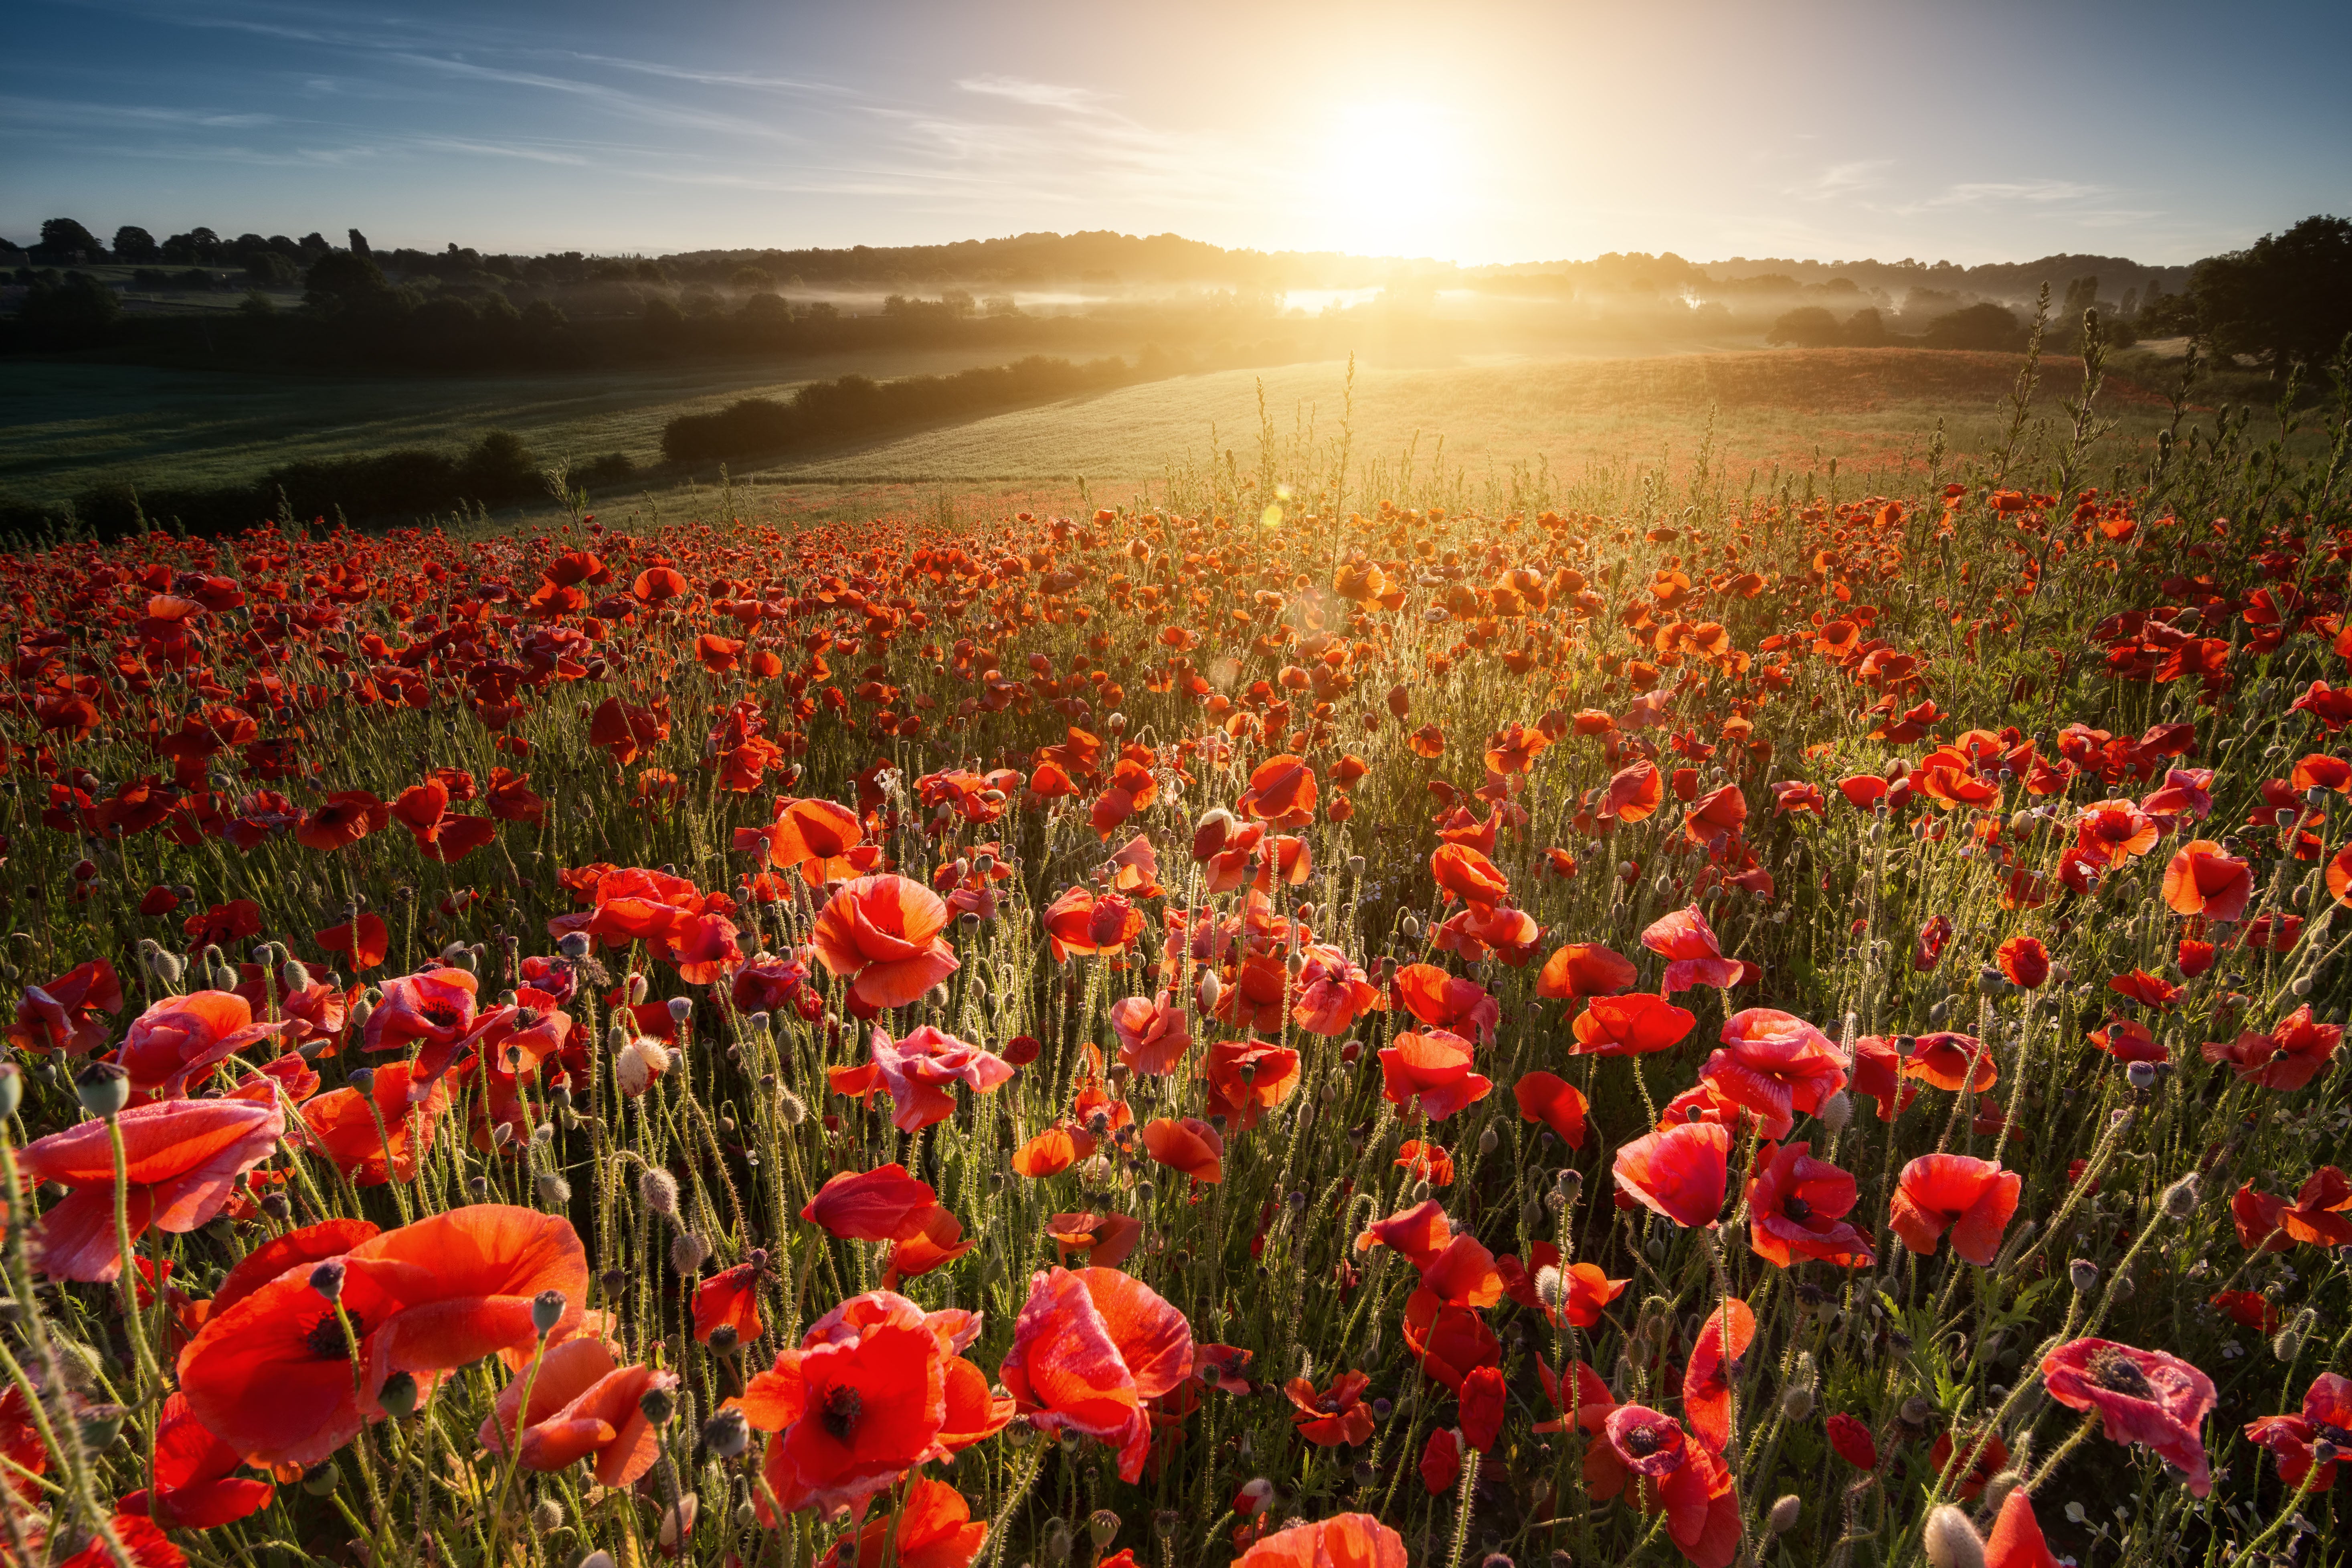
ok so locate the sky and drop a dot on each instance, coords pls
(1474, 132)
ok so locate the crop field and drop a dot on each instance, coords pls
(1627, 993)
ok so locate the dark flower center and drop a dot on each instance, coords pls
(2112, 1369)
(326, 1340)
(1797, 1208)
(440, 1015)
(2322, 1432)
(840, 1411)
(1643, 1441)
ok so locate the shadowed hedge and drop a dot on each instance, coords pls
(825, 412)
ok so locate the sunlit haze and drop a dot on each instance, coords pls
(1475, 133)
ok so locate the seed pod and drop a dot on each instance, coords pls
(727, 1433)
(687, 1251)
(398, 1395)
(658, 1190)
(104, 1090)
(1102, 1528)
(1951, 1541)
(2180, 1198)
(2083, 1274)
(547, 1516)
(1786, 1511)
(546, 1311)
(1837, 1112)
(1488, 1140)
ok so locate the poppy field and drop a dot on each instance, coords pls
(1283, 1025)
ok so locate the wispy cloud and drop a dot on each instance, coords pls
(1035, 94)
(1841, 180)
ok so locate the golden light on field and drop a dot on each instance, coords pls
(1388, 177)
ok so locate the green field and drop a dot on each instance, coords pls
(1760, 413)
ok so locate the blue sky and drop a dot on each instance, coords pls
(1472, 132)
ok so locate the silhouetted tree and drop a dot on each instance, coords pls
(66, 240)
(75, 312)
(360, 244)
(2287, 297)
(134, 244)
(1807, 327)
(346, 282)
(1984, 326)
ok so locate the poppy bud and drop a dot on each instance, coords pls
(1211, 990)
(2287, 1343)
(1951, 1541)
(1785, 1513)
(104, 1089)
(397, 1397)
(726, 1433)
(1055, 1547)
(678, 1521)
(2180, 1198)
(1796, 1402)
(12, 1088)
(1548, 1288)
(1837, 1112)
(361, 1011)
(657, 1189)
(637, 989)
(791, 1108)
(546, 1516)
(659, 1404)
(1997, 1490)
(292, 976)
(555, 1191)
(546, 1311)
(687, 1251)
(2083, 1274)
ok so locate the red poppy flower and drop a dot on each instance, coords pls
(1431, 1070)
(1332, 991)
(1986, 1455)
(1245, 1079)
(822, 841)
(1852, 1441)
(1713, 1372)
(1685, 1480)
(1441, 1462)
(1052, 1152)
(1338, 1415)
(1630, 1025)
(195, 1487)
(884, 1203)
(2146, 1397)
(65, 1014)
(1693, 955)
(1484, 1402)
(2296, 1051)
(2016, 1541)
(1343, 1541)
(1604, 1473)
(1949, 1060)
(1089, 1347)
(433, 1008)
(1448, 1002)
(1187, 1146)
(932, 1529)
(342, 819)
(918, 1070)
(1633, 793)
(938, 1240)
(2325, 1417)
(1080, 923)
(182, 1160)
(1152, 1033)
(1972, 1198)
(1466, 874)
(729, 1300)
(2273, 1225)
(273, 1376)
(1583, 969)
(179, 1040)
(1281, 792)
(1419, 1233)
(1551, 1099)
(377, 1134)
(883, 934)
(367, 949)
(860, 1402)
(2114, 832)
(1106, 1239)
(1797, 1207)
(2025, 962)
(1680, 1172)
(2205, 880)
(1775, 1065)
(583, 1404)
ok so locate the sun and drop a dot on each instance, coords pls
(1389, 179)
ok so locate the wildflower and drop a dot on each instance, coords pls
(1337, 1415)
(932, 1529)
(65, 1015)
(1431, 1070)
(1343, 1541)
(1107, 1240)
(1693, 1486)
(1559, 1105)
(2204, 879)
(1187, 1146)
(918, 1070)
(195, 1485)
(1694, 956)
(1972, 1198)
(1630, 1025)
(1852, 1442)
(1583, 969)
(2296, 1051)
(1245, 1079)
(884, 1203)
(2268, 1224)
(1680, 1173)
(2146, 1397)
(583, 1404)
(273, 1376)
(182, 1160)
(1089, 1347)
(377, 1134)
(1797, 1207)
(882, 933)
(2326, 1417)
(1152, 1034)
(1776, 1065)
(2024, 961)
(179, 1040)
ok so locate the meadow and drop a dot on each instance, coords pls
(1742, 968)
